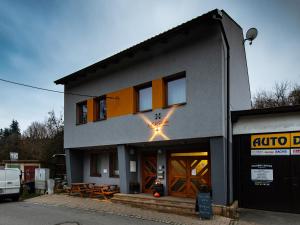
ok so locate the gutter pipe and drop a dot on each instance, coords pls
(218, 17)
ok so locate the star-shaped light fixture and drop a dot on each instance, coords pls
(157, 127)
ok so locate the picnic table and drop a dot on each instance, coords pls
(81, 188)
(104, 190)
(93, 190)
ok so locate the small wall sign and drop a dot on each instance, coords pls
(132, 165)
(261, 174)
(14, 155)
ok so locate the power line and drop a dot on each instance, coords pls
(45, 89)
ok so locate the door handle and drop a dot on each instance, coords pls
(9, 182)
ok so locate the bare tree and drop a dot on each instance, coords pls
(36, 131)
(294, 96)
(282, 94)
(54, 124)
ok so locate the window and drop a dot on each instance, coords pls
(100, 104)
(176, 90)
(113, 164)
(144, 98)
(95, 165)
(82, 112)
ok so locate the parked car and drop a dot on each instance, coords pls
(10, 183)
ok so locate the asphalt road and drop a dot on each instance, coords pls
(25, 213)
(260, 217)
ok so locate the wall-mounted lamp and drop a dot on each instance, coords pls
(251, 35)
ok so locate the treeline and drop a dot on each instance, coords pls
(282, 94)
(40, 141)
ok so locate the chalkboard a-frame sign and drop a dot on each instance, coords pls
(204, 205)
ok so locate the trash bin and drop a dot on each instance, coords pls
(204, 203)
(31, 187)
(158, 188)
(134, 188)
(50, 186)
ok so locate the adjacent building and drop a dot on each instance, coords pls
(27, 168)
(266, 144)
(161, 110)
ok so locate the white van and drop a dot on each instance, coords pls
(10, 183)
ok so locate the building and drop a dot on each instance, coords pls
(266, 145)
(27, 168)
(160, 109)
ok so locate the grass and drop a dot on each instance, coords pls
(26, 195)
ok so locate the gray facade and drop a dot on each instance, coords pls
(200, 52)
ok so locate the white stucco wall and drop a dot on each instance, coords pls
(280, 122)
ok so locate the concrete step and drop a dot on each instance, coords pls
(163, 204)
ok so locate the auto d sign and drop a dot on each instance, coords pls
(295, 140)
(275, 144)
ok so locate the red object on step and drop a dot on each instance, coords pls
(156, 194)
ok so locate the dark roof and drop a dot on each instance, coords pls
(162, 37)
(282, 109)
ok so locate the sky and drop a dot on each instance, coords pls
(43, 40)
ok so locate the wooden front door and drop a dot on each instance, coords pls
(187, 172)
(149, 169)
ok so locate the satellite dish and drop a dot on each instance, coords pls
(251, 35)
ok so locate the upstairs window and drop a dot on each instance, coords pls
(176, 90)
(100, 104)
(82, 112)
(95, 165)
(144, 98)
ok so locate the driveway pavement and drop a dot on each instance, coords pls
(260, 217)
(25, 213)
(68, 210)
(106, 209)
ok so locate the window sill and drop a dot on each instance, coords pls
(144, 111)
(99, 120)
(95, 175)
(114, 176)
(175, 105)
(78, 124)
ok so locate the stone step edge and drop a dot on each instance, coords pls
(168, 204)
(221, 210)
(152, 199)
(154, 204)
(183, 211)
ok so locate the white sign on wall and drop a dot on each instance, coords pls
(262, 174)
(132, 166)
(14, 155)
(270, 152)
(295, 151)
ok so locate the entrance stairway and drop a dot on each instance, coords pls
(182, 206)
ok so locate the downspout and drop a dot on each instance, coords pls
(218, 17)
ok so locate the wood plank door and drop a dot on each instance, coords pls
(178, 177)
(149, 172)
(29, 173)
(187, 172)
